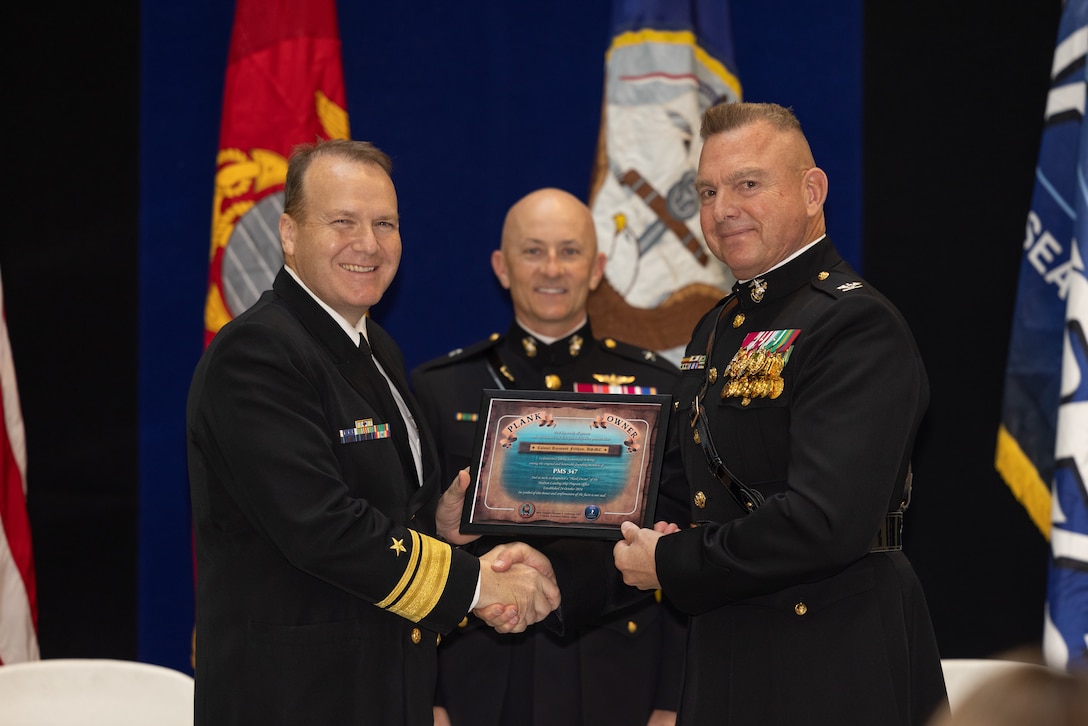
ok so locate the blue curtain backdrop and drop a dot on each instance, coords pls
(477, 103)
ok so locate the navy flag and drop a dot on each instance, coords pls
(1042, 449)
(668, 62)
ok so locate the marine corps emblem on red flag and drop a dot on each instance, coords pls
(284, 86)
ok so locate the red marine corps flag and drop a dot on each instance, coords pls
(18, 601)
(284, 86)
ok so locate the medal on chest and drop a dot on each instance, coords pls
(755, 371)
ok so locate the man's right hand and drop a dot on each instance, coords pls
(517, 588)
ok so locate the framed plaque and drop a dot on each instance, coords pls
(565, 464)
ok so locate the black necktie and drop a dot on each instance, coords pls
(387, 404)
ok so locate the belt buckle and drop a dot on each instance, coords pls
(889, 538)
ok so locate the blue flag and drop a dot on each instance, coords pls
(1042, 450)
(669, 60)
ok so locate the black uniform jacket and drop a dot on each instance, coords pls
(814, 390)
(319, 597)
(622, 667)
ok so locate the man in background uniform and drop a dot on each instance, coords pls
(625, 669)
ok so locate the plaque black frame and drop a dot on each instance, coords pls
(528, 409)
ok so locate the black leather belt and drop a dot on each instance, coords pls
(889, 538)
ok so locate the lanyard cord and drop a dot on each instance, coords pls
(747, 497)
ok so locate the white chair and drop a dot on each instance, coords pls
(963, 675)
(94, 692)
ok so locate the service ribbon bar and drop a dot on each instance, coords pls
(693, 363)
(605, 388)
(365, 430)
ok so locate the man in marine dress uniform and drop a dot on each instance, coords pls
(799, 400)
(624, 670)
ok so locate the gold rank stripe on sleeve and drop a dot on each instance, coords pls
(424, 578)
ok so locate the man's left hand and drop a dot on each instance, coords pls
(635, 554)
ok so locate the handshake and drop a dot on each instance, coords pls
(517, 588)
(521, 575)
(517, 583)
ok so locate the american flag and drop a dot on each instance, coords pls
(18, 598)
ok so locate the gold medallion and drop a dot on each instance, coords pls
(552, 382)
(755, 365)
(739, 363)
(777, 364)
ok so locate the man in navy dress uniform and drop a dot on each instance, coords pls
(326, 574)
